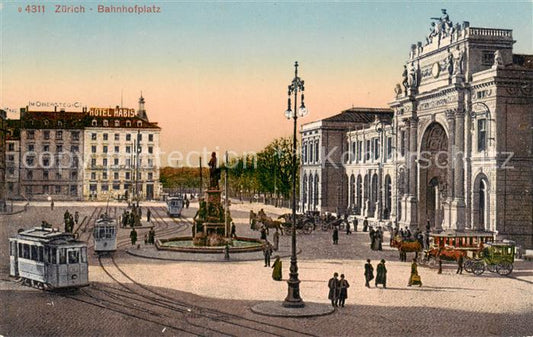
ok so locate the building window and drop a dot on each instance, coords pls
(93, 162)
(117, 135)
(106, 122)
(46, 134)
(105, 187)
(93, 149)
(94, 122)
(317, 149)
(403, 144)
(376, 148)
(11, 158)
(59, 135)
(46, 162)
(93, 136)
(104, 175)
(487, 58)
(74, 148)
(45, 175)
(128, 123)
(139, 137)
(128, 162)
(105, 136)
(150, 162)
(150, 176)
(59, 123)
(31, 147)
(73, 190)
(92, 187)
(30, 134)
(139, 124)
(104, 162)
(128, 137)
(74, 175)
(389, 148)
(117, 149)
(115, 161)
(150, 149)
(128, 149)
(116, 187)
(46, 148)
(304, 153)
(367, 150)
(359, 150)
(58, 175)
(93, 175)
(59, 148)
(150, 137)
(30, 160)
(75, 135)
(58, 189)
(127, 176)
(105, 149)
(115, 175)
(481, 135)
(11, 147)
(29, 175)
(311, 151)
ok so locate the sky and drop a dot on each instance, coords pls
(215, 74)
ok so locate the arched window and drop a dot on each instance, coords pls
(316, 191)
(106, 122)
(374, 192)
(311, 195)
(388, 197)
(352, 191)
(94, 122)
(304, 190)
(481, 203)
(359, 194)
(128, 123)
(483, 223)
(59, 123)
(139, 123)
(117, 123)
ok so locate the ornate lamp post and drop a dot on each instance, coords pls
(293, 299)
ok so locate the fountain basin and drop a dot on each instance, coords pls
(185, 244)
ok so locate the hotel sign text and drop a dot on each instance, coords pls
(112, 112)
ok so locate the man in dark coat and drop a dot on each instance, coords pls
(365, 224)
(343, 290)
(333, 285)
(372, 235)
(335, 235)
(355, 223)
(267, 252)
(369, 273)
(460, 261)
(133, 236)
(148, 215)
(381, 274)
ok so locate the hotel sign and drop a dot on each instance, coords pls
(112, 112)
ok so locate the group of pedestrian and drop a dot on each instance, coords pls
(381, 274)
(338, 290)
(268, 249)
(70, 220)
(376, 238)
(133, 218)
(149, 238)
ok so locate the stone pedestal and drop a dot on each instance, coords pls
(457, 214)
(411, 212)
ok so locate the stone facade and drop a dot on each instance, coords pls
(323, 183)
(93, 155)
(13, 159)
(3, 134)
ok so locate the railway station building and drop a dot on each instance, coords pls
(458, 150)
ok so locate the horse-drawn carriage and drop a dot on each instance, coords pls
(304, 223)
(406, 246)
(496, 257)
(451, 245)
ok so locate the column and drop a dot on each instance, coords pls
(458, 204)
(446, 203)
(411, 216)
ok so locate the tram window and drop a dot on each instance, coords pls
(53, 254)
(20, 249)
(101, 233)
(34, 253)
(26, 253)
(108, 233)
(46, 254)
(73, 256)
(13, 246)
(83, 255)
(41, 253)
(62, 256)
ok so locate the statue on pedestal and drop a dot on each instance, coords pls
(214, 172)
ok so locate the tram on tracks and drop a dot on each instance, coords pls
(174, 206)
(105, 235)
(48, 259)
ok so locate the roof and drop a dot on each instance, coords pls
(44, 233)
(362, 115)
(78, 120)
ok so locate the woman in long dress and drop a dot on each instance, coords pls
(414, 278)
(276, 272)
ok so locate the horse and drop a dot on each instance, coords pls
(264, 220)
(405, 247)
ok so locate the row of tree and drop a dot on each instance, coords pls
(268, 173)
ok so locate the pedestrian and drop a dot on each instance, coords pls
(267, 252)
(151, 236)
(226, 252)
(335, 235)
(365, 224)
(233, 230)
(355, 223)
(52, 205)
(263, 232)
(369, 273)
(460, 261)
(414, 278)
(148, 215)
(133, 236)
(276, 272)
(348, 228)
(373, 239)
(379, 238)
(187, 203)
(343, 290)
(276, 240)
(76, 217)
(440, 265)
(146, 239)
(333, 285)
(381, 274)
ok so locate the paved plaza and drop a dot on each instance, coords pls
(213, 297)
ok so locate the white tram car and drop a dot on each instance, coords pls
(105, 235)
(174, 206)
(48, 259)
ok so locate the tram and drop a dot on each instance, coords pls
(105, 235)
(174, 206)
(48, 259)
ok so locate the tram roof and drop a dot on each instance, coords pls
(44, 233)
(462, 234)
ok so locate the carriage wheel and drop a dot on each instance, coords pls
(478, 268)
(325, 227)
(468, 266)
(432, 261)
(504, 268)
(308, 228)
(493, 268)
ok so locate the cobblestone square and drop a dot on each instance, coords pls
(138, 295)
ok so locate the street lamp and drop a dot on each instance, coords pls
(293, 299)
